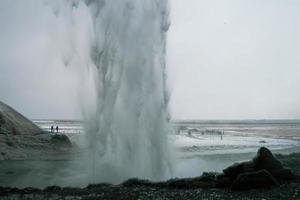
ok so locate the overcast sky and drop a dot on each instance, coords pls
(227, 59)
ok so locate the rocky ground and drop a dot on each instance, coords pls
(288, 192)
(203, 187)
(34, 147)
(21, 139)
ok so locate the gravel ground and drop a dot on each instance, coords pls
(288, 192)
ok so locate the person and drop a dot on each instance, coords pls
(56, 129)
(222, 133)
(14, 131)
(2, 121)
(52, 128)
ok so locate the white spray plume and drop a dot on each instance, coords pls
(124, 54)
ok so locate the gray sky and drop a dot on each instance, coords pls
(227, 59)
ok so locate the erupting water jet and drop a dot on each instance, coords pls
(128, 125)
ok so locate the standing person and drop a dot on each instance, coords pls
(222, 133)
(14, 131)
(56, 129)
(2, 121)
(52, 129)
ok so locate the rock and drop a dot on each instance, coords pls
(9, 172)
(284, 175)
(134, 182)
(254, 180)
(29, 190)
(223, 181)
(52, 189)
(263, 170)
(61, 140)
(234, 170)
(208, 176)
(265, 160)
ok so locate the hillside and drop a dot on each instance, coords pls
(21, 139)
(13, 122)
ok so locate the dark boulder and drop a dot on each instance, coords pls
(234, 170)
(265, 160)
(60, 140)
(223, 181)
(284, 175)
(254, 180)
(263, 170)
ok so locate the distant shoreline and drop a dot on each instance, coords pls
(253, 121)
(191, 121)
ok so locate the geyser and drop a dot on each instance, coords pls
(127, 126)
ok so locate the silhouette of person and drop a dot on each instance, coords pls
(2, 121)
(14, 131)
(56, 129)
(52, 128)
